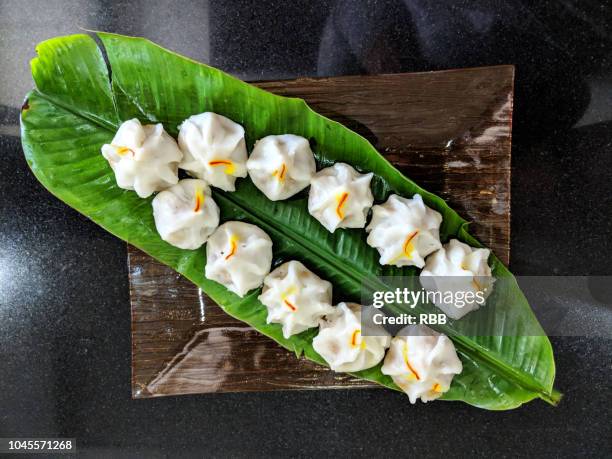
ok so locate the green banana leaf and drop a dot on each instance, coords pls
(76, 107)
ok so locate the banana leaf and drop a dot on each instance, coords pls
(78, 104)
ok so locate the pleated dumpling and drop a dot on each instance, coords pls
(239, 256)
(340, 197)
(214, 149)
(454, 270)
(422, 362)
(186, 214)
(296, 298)
(343, 346)
(144, 158)
(281, 165)
(404, 231)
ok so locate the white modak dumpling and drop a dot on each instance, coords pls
(296, 298)
(340, 197)
(404, 231)
(214, 149)
(186, 214)
(281, 165)
(341, 343)
(455, 270)
(239, 256)
(144, 158)
(422, 362)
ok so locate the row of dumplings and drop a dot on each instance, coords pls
(212, 149)
(420, 361)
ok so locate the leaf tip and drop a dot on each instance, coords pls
(553, 398)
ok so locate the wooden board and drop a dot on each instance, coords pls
(449, 131)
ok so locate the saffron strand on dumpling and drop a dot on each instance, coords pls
(457, 267)
(281, 166)
(185, 214)
(214, 149)
(422, 362)
(296, 298)
(238, 256)
(342, 344)
(144, 158)
(340, 197)
(404, 231)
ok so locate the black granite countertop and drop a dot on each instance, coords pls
(64, 306)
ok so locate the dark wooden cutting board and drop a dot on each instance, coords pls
(449, 131)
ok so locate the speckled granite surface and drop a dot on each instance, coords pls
(64, 315)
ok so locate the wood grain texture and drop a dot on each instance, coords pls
(449, 131)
